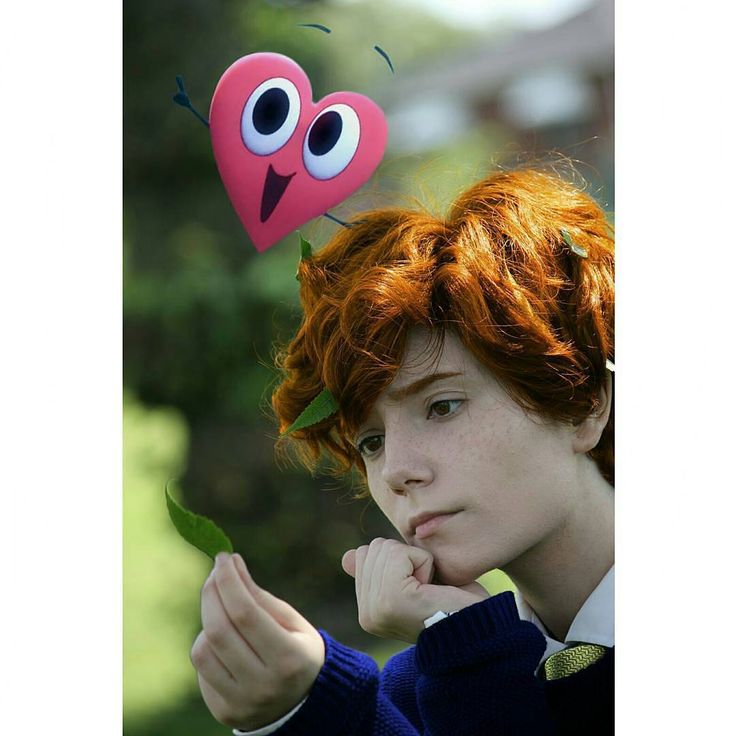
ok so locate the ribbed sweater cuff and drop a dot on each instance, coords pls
(344, 690)
(457, 640)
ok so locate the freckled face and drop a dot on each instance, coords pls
(461, 445)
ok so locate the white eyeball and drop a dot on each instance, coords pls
(270, 116)
(331, 141)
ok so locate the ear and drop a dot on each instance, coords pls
(589, 431)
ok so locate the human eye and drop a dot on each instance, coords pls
(444, 407)
(370, 445)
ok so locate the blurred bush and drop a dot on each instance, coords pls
(162, 574)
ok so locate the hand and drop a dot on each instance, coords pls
(256, 657)
(394, 590)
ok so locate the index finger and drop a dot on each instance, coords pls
(266, 637)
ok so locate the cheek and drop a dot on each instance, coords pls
(513, 448)
(374, 487)
(518, 475)
(382, 497)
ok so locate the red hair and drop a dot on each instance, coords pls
(496, 271)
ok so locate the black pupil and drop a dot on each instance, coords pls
(270, 111)
(325, 133)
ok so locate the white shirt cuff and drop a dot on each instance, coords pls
(435, 617)
(271, 727)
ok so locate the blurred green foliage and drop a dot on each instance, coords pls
(161, 573)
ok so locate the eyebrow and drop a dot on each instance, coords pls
(400, 394)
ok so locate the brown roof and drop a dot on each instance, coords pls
(583, 42)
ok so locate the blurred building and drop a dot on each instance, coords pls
(551, 88)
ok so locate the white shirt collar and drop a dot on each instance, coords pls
(593, 624)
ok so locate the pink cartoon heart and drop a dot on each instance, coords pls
(285, 159)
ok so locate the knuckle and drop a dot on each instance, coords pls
(198, 653)
(209, 584)
(216, 636)
(243, 618)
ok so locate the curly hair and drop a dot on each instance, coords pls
(496, 271)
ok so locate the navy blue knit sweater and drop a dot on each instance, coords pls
(471, 674)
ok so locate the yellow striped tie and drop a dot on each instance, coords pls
(572, 660)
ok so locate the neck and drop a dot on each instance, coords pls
(557, 575)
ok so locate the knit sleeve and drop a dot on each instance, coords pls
(471, 674)
(347, 700)
(475, 673)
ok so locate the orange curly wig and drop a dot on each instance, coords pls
(496, 271)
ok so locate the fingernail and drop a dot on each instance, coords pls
(220, 558)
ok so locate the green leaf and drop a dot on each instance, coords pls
(198, 530)
(306, 250)
(322, 406)
(578, 250)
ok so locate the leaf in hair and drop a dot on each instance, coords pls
(306, 251)
(306, 247)
(578, 250)
(199, 531)
(322, 406)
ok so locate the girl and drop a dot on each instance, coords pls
(471, 361)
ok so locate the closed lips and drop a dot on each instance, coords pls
(425, 524)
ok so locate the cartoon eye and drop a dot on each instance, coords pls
(270, 116)
(331, 141)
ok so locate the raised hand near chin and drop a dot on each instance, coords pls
(256, 656)
(394, 591)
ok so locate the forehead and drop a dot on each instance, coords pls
(427, 352)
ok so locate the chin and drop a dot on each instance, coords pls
(457, 575)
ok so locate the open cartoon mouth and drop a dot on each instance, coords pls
(273, 190)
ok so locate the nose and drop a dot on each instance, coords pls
(405, 465)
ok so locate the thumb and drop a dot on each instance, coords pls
(281, 611)
(348, 562)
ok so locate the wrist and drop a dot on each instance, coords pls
(447, 598)
(271, 727)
